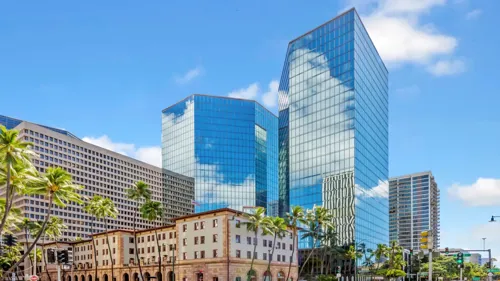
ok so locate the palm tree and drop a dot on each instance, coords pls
(13, 151)
(104, 210)
(56, 185)
(277, 227)
(295, 217)
(38, 255)
(328, 243)
(90, 208)
(27, 225)
(138, 192)
(379, 253)
(393, 251)
(255, 222)
(14, 218)
(352, 254)
(316, 220)
(153, 211)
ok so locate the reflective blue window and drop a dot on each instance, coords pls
(333, 130)
(230, 147)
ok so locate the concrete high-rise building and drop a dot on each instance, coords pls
(413, 208)
(333, 130)
(229, 146)
(101, 172)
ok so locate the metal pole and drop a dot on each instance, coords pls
(58, 269)
(461, 273)
(34, 261)
(484, 243)
(430, 264)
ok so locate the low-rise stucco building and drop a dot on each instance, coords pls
(213, 246)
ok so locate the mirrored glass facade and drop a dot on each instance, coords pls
(230, 147)
(333, 130)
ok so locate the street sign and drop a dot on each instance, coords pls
(338, 275)
(464, 254)
(494, 270)
(476, 278)
(34, 278)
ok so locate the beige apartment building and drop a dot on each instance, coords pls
(101, 172)
(213, 246)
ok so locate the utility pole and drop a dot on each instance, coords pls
(34, 260)
(484, 243)
(58, 270)
(430, 264)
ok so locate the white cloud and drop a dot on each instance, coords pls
(270, 98)
(248, 93)
(473, 14)
(379, 191)
(400, 37)
(151, 154)
(253, 92)
(484, 192)
(190, 75)
(447, 67)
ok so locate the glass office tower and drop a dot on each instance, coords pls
(333, 130)
(230, 147)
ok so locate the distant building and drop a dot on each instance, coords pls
(213, 245)
(101, 172)
(229, 146)
(468, 257)
(413, 208)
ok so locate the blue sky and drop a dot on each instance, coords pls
(105, 69)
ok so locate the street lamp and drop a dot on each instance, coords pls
(493, 218)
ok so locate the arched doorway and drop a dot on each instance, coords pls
(75, 278)
(105, 277)
(89, 277)
(146, 276)
(82, 278)
(253, 275)
(268, 276)
(199, 276)
(281, 276)
(159, 277)
(136, 276)
(69, 278)
(125, 277)
(171, 276)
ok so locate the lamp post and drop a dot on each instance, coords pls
(484, 243)
(493, 218)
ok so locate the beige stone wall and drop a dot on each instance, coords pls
(184, 272)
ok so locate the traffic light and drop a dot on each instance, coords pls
(488, 264)
(10, 240)
(338, 270)
(446, 250)
(70, 256)
(411, 252)
(62, 256)
(426, 240)
(460, 258)
(51, 256)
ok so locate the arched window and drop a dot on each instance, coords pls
(267, 276)
(281, 276)
(238, 279)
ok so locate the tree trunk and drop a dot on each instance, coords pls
(253, 256)
(26, 237)
(49, 211)
(45, 260)
(135, 243)
(7, 201)
(159, 254)
(308, 257)
(93, 247)
(109, 249)
(272, 255)
(292, 256)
